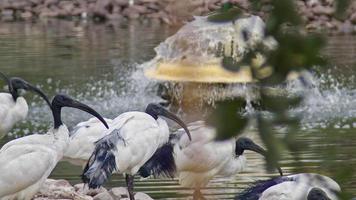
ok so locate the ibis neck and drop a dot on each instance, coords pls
(153, 114)
(56, 111)
(14, 94)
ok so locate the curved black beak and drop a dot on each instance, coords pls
(244, 143)
(85, 108)
(39, 92)
(155, 109)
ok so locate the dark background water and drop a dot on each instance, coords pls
(97, 64)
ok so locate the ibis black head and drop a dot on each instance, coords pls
(317, 194)
(15, 84)
(244, 143)
(60, 101)
(156, 110)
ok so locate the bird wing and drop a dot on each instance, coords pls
(201, 157)
(89, 128)
(30, 139)
(161, 163)
(83, 137)
(200, 132)
(289, 190)
(24, 165)
(131, 142)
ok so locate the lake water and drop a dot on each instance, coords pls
(97, 64)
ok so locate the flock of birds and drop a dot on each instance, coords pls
(133, 143)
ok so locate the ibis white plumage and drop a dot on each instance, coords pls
(14, 108)
(199, 160)
(82, 140)
(133, 140)
(306, 186)
(27, 162)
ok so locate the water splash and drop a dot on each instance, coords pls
(329, 101)
(132, 91)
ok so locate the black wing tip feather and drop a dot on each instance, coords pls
(100, 165)
(160, 164)
(258, 187)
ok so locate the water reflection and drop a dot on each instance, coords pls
(96, 63)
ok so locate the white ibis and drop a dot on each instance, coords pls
(14, 108)
(199, 160)
(134, 138)
(306, 186)
(27, 162)
(82, 140)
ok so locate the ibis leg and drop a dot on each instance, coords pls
(130, 184)
(197, 195)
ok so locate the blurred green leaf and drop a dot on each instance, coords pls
(279, 104)
(226, 119)
(341, 7)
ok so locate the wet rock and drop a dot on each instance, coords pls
(322, 10)
(142, 196)
(131, 13)
(353, 18)
(346, 27)
(26, 15)
(312, 3)
(7, 13)
(59, 189)
(84, 189)
(119, 192)
(103, 196)
(19, 4)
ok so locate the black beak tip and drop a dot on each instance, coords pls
(106, 125)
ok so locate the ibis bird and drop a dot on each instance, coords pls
(199, 160)
(14, 108)
(304, 186)
(134, 138)
(27, 162)
(82, 140)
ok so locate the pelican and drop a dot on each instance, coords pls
(27, 162)
(306, 186)
(14, 108)
(82, 139)
(198, 161)
(134, 138)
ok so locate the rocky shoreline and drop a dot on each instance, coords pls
(62, 189)
(318, 14)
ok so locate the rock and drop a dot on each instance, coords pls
(67, 6)
(131, 13)
(119, 192)
(312, 3)
(346, 27)
(20, 4)
(26, 15)
(84, 189)
(59, 189)
(50, 2)
(36, 2)
(121, 2)
(103, 196)
(322, 10)
(7, 13)
(142, 196)
(353, 18)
